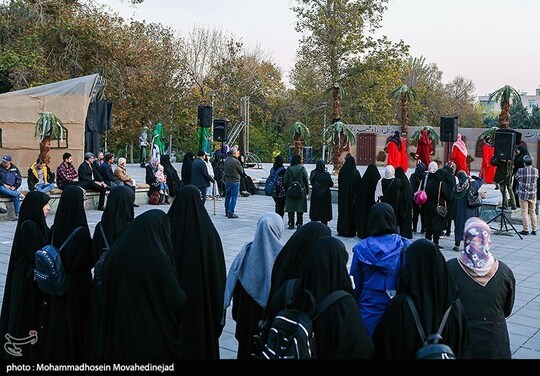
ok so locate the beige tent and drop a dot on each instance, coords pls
(19, 112)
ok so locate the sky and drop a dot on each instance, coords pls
(491, 42)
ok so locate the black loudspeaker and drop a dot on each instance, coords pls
(449, 128)
(509, 130)
(220, 130)
(504, 145)
(204, 116)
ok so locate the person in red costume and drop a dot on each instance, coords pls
(423, 150)
(459, 155)
(404, 155)
(487, 171)
(393, 148)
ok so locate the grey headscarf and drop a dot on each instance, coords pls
(253, 265)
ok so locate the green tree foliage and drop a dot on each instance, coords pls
(519, 116)
(504, 96)
(534, 119)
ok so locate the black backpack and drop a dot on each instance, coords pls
(295, 189)
(431, 348)
(49, 269)
(290, 334)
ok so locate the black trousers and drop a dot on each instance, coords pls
(280, 205)
(299, 219)
(95, 187)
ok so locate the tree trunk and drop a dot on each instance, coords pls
(44, 149)
(336, 158)
(404, 115)
(131, 152)
(336, 104)
(297, 143)
(336, 116)
(504, 116)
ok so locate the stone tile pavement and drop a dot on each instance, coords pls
(523, 256)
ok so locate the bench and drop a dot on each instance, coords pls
(91, 201)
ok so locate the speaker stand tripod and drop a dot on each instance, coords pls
(504, 222)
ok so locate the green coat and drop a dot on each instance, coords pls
(296, 204)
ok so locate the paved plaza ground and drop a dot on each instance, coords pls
(523, 257)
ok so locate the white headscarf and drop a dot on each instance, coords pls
(389, 173)
(253, 265)
(433, 167)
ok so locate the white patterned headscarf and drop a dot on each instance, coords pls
(389, 173)
(476, 255)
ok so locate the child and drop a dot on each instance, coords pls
(163, 187)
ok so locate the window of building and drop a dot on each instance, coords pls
(532, 103)
(60, 142)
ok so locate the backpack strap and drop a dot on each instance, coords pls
(328, 301)
(107, 247)
(69, 237)
(434, 337)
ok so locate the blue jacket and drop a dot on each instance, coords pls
(10, 176)
(375, 269)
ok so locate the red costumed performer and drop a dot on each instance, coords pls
(423, 150)
(404, 156)
(459, 155)
(393, 148)
(487, 171)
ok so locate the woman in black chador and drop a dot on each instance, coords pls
(418, 181)
(186, 168)
(389, 190)
(68, 314)
(143, 298)
(348, 183)
(435, 223)
(320, 208)
(116, 218)
(173, 180)
(291, 260)
(404, 216)
(425, 279)
(118, 214)
(23, 303)
(340, 332)
(200, 263)
(366, 199)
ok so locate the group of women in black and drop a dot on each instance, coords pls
(156, 292)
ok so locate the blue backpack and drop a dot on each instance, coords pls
(49, 270)
(271, 181)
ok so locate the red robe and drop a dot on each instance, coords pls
(487, 171)
(459, 159)
(394, 154)
(404, 156)
(423, 149)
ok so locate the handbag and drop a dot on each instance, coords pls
(440, 209)
(474, 199)
(420, 196)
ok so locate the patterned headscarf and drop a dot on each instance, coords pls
(476, 256)
(433, 167)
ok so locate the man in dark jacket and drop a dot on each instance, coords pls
(232, 171)
(106, 172)
(89, 178)
(199, 174)
(40, 177)
(10, 181)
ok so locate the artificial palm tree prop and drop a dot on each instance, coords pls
(405, 94)
(432, 133)
(340, 136)
(298, 132)
(489, 132)
(503, 95)
(48, 127)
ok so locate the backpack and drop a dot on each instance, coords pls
(474, 199)
(290, 335)
(49, 270)
(295, 189)
(431, 348)
(271, 181)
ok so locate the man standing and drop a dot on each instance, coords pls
(66, 173)
(527, 178)
(40, 177)
(89, 178)
(232, 171)
(143, 146)
(199, 174)
(10, 181)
